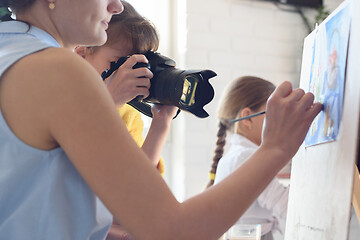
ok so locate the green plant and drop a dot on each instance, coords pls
(322, 13)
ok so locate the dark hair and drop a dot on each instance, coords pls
(247, 91)
(16, 6)
(141, 33)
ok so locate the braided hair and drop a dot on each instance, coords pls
(219, 151)
(244, 92)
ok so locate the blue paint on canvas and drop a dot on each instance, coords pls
(327, 76)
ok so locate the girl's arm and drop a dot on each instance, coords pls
(53, 98)
(158, 132)
(159, 129)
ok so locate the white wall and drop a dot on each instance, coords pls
(233, 38)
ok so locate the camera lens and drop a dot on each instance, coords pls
(188, 95)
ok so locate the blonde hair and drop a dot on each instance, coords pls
(244, 92)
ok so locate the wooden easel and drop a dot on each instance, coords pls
(356, 193)
(321, 183)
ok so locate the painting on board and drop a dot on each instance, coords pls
(327, 76)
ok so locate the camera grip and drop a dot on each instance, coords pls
(116, 65)
(140, 65)
(113, 67)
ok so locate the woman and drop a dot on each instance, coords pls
(245, 96)
(62, 144)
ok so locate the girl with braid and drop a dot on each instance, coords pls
(245, 96)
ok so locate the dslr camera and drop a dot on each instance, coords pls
(189, 90)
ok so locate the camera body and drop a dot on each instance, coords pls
(189, 90)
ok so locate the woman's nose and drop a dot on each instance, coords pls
(115, 7)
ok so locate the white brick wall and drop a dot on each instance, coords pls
(234, 38)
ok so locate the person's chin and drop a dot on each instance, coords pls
(100, 40)
(103, 40)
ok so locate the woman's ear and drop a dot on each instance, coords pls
(81, 50)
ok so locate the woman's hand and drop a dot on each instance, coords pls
(118, 232)
(126, 83)
(289, 114)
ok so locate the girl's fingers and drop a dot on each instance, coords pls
(141, 91)
(142, 82)
(134, 59)
(142, 73)
(138, 72)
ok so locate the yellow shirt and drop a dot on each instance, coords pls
(135, 126)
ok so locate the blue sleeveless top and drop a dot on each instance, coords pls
(42, 196)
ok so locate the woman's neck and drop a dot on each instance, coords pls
(40, 19)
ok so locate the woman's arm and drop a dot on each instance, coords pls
(58, 97)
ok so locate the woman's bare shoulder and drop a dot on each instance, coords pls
(57, 62)
(55, 70)
(45, 86)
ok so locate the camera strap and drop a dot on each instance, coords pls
(141, 107)
(145, 108)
